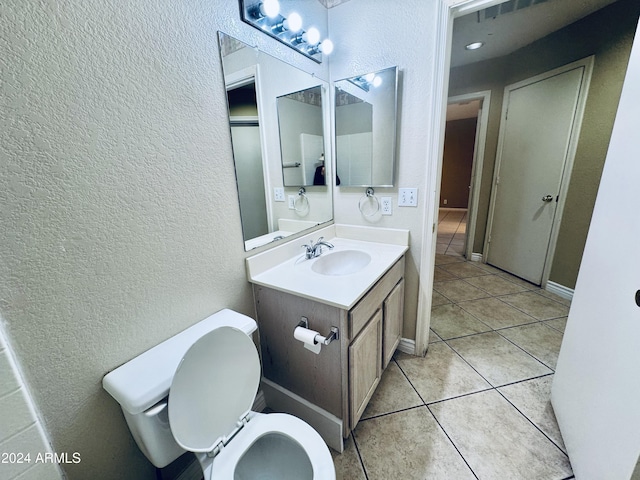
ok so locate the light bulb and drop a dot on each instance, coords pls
(293, 23)
(326, 46)
(474, 45)
(377, 81)
(369, 77)
(312, 36)
(270, 8)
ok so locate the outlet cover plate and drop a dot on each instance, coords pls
(385, 206)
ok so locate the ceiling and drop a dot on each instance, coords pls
(514, 24)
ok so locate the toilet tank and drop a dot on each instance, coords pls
(141, 386)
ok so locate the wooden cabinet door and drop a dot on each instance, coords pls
(393, 309)
(364, 367)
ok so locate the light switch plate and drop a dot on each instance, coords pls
(278, 194)
(407, 197)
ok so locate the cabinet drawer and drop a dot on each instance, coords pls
(362, 312)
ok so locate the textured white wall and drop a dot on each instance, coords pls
(402, 34)
(118, 210)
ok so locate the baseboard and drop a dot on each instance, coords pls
(407, 345)
(476, 257)
(560, 290)
(327, 425)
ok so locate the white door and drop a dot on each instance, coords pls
(538, 121)
(596, 389)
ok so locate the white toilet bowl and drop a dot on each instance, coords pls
(210, 414)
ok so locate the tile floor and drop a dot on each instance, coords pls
(477, 406)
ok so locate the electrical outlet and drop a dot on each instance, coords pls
(278, 194)
(292, 202)
(445, 201)
(385, 206)
(407, 197)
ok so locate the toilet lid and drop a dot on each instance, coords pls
(213, 388)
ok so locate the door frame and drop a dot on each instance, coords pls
(447, 10)
(478, 161)
(567, 168)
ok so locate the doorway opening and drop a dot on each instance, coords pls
(463, 158)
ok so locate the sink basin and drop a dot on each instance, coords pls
(344, 262)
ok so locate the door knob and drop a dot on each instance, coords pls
(547, 198)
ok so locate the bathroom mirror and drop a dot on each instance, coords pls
(365, 125)
(255, 81)
(300, 122)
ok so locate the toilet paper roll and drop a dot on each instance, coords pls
(308, 338)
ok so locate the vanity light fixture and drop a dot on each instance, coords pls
(326, 47)
(365, 82)
(286, 27)
(265, 8)
(474, 45)
(291, 24)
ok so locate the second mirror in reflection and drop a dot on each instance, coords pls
(365, 121)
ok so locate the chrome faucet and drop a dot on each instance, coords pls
(315, 250)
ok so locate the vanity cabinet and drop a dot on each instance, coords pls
(342, 378)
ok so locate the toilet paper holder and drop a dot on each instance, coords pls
(334, 334)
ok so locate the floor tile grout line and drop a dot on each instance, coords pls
(532, 422)
(355, 444)
(452, 442)
(530, 354)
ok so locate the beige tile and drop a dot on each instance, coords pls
(347, 463)
(450, 321)
(533, 399)
(394, 393)
(441, 248)
(564, 301)
(441, 275)
(440, 374)
(408, 445)
(497, 359)
(536, 305)
(459, 239)
(488, 268)
(495, 285)
(537, 339)
(437, 299)
(446, 259)
(464, 269)
(459, 290)
(433, 337)
(497, 441)
(453, 249)
(519, 281)
(496, 313)
(558, 323)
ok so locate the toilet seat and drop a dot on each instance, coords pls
(224, 464)
(210, 402)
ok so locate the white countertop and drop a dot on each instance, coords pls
(294, 275)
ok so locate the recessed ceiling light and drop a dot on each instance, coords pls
(474, 45)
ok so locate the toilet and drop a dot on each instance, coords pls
(194, 392)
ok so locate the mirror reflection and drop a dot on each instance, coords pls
(258, 86)
(365, 123)
(300, 120)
